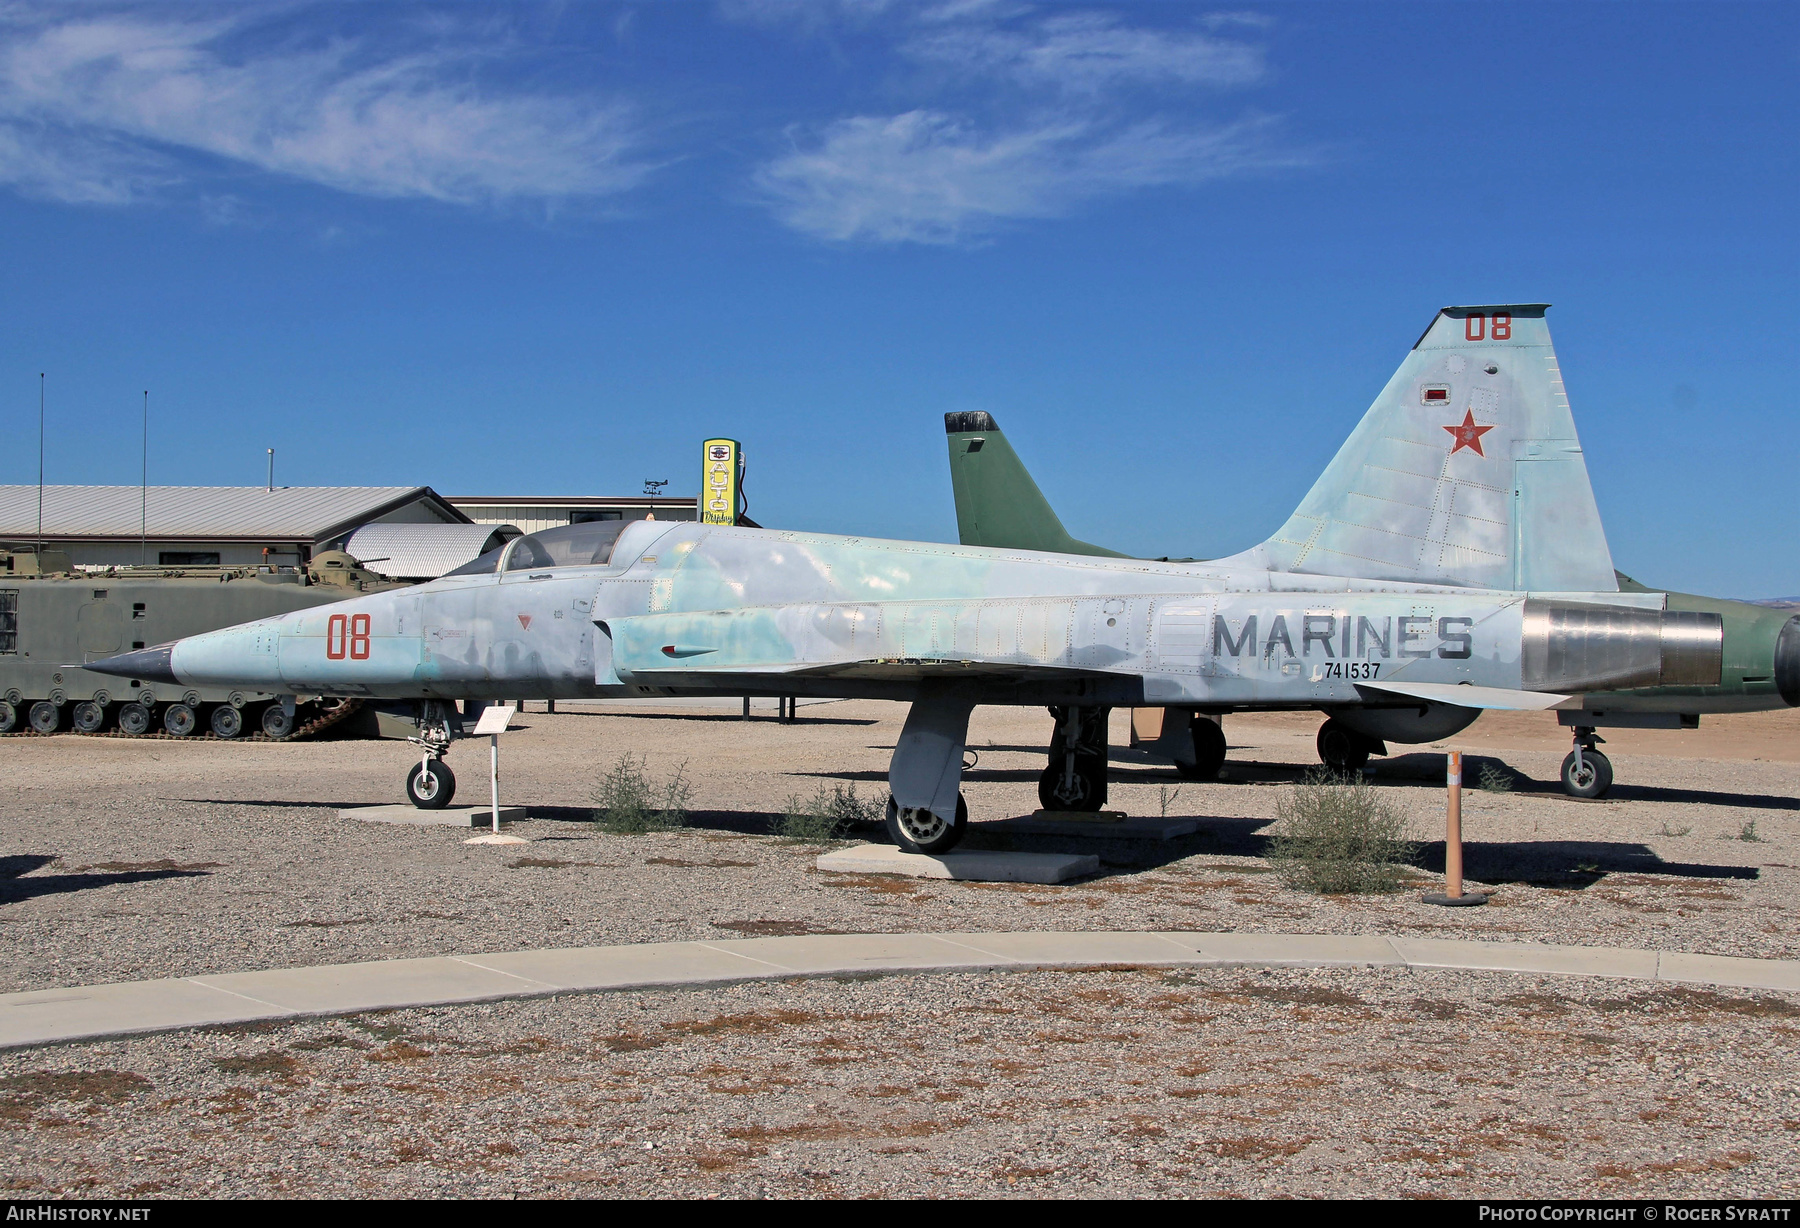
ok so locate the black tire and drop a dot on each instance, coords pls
(433, 789)
(1341, 748)
(1594, 779)
(89, 717)
(931, 835)
(135, 720)
(46, 717)
(278, 722)
(9, 716)
(1088, 793)
(1209, 751)
(226, 721)
(180, 720)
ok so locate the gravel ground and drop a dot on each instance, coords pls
(130, 860)
(214, 857)
(1100, 1083)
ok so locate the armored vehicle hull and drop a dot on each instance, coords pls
(52, 625)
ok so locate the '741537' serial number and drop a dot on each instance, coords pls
(1352, 669)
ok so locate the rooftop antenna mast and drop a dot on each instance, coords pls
(40, 539)
(144, 491)
(271, 470)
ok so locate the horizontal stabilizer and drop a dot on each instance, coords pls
(1498, 699)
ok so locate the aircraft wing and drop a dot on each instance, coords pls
(1495, 698)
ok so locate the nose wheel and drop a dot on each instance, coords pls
(430, 785)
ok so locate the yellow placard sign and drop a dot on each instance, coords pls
(721, 475)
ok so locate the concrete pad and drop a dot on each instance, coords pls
(449, 816)
(972, 865)
(1292, 950)
(825, 954)
(1049, 823)
(653, 963)
(496, 838)
(47, 1015)
(1527, 957)
(342, 988)
(1779, 974)
(1078, 948)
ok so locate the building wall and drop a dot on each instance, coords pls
(535, 517)
(96, 555)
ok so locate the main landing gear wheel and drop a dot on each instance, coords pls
(1342, 749)
(1592, 777)
(1084, 790)
(430, 785)
(135, 720)
(923, 831)
(1209, 751)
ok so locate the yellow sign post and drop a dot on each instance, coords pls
(721, 481)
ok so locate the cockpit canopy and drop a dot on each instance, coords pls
(574, 545)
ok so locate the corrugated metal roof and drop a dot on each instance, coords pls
(424, 551)
(290, 513)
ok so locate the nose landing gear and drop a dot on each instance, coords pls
(430, 785)
(1586, 772)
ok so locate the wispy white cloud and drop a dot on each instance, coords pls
(1032, 115)
(1089, 52)
(108, 107)
(927, 177)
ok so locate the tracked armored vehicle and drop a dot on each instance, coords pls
(53, 620)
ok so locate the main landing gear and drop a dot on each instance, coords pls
(1075, 778)
(1344, 750)
(926, 812)
(430, 785)
(1586, 773)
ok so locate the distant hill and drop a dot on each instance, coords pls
(1779, 603)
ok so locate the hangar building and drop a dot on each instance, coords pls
(532, 513)
(209, 526)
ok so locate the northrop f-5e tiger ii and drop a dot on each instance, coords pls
(1449, 560)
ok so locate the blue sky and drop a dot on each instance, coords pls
(1175, 250)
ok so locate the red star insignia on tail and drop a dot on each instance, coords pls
(1468, 435)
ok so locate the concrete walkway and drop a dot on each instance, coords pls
(47, 1016)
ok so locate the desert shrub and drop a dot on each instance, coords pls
(1339, 836)
(1495, 778)
(828, 815)
(628, 802)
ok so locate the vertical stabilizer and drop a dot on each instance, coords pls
(1466, 470)
(997, 503)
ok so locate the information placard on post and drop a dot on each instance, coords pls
(493, 723)
(494, 720)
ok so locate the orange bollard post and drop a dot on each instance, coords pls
(1453, 895)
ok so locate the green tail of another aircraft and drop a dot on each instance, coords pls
(997, 503)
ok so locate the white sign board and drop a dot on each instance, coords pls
(494, 720)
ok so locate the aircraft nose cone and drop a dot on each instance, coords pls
(148, 664)
(1787, 662)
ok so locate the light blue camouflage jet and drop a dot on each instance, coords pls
(1449, 560)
